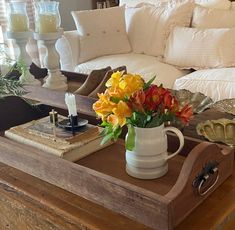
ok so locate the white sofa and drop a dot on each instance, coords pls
(218, 83)
(145, 65)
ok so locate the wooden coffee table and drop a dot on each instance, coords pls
(101, 177)
(29, 201)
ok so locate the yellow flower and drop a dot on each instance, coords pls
(131, 83)
(114, 80)
(104, 106)
(122, 111)
(113, 119)
(116, 92)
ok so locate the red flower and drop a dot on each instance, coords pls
(170, 102)
(136, 101)
(185, 114)
(154, 96)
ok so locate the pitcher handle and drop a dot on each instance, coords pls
(181, 139)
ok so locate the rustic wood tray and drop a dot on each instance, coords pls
(160, 204)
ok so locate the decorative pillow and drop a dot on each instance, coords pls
(134, 3)
(213, 18)
(201, 49)
(216, 83)
(101, 32)
(149, 26)
(215, 4)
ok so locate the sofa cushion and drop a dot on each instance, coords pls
(201, 49)
(101, 32)
(149, 26)
(218, 84)
(216, 4)
(213, 18)
(147, 66)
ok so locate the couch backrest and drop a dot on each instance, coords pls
(135, 2)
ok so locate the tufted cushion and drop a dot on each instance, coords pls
(101, 32)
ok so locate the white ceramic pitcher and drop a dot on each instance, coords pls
(148, 159)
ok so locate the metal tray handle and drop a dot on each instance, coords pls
(210, 168)
(205, 178)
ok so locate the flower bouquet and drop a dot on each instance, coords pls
(129, 100)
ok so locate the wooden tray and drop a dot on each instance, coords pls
(101, 178)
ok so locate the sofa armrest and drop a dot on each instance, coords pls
(68, 49)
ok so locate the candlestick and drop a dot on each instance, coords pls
(21, 39)
(54, 79)
(53, 116)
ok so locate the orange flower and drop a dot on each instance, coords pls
(170, 102)
(136, 101)
(112, 119)
(185, 114)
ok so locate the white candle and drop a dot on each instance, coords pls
(47, 23)
(18, 23)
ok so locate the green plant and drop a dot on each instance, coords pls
(9, 84)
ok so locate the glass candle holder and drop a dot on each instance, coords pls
(17, 17)
(47, 17)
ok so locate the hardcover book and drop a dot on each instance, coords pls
(55, 140)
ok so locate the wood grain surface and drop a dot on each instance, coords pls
(30, 203)
(216, 212)
(55, 99)
(137, 199)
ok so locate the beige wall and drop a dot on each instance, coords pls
(66, 6)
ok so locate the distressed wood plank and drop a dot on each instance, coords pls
(28, 201)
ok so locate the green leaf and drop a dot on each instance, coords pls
(115, 99)
(117, 132)
(107, 138)
(130, 139)
(156, 121)
(148, 83)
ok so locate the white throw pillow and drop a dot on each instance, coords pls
(215, 4)
(201, 49)
(216, 83)
(149, 26)
(213, 18)
(134, 3)
(101, 32)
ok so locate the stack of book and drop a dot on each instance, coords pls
(44, 135)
